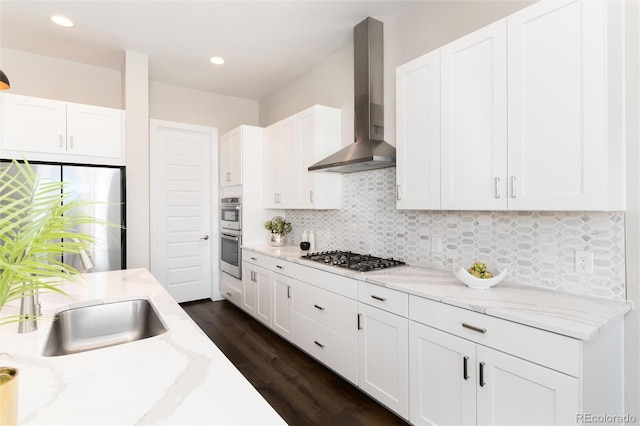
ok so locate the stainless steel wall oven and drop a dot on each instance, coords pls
(231, 236)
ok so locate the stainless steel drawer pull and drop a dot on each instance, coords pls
(229, 293)
(465, 369)
(319, 307)
(382, 299)
(279, 267)
(497, 187)
(513, 187)
(318, 343)
(255, 259)
(474, 328)
(482, 382)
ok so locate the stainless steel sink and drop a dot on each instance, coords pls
(101, 324)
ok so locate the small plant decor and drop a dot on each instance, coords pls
(35, 216)
(278, 225)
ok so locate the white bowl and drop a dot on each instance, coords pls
(478, 283)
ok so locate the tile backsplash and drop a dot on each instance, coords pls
(536, 247)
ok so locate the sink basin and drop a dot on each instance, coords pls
(100, 324)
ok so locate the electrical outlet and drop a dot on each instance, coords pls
(584, 262)
(436, 245)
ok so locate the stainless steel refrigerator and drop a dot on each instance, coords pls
(105, 185)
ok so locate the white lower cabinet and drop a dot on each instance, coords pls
(325, 326)
(256, 292)
(457, 382)
(282, 313)
(383, 340)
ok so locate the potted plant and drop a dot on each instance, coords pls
(279, 228)
(37, 224)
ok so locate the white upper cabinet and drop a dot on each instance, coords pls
(49, 130)
(418, 133)
(291, 146)
(281, 159)
(474, 120)
(531, 114)
(561, 154)
(319, 137)
(231, 158)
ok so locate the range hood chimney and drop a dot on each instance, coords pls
(369, 151)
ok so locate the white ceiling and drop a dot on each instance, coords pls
(265, 43)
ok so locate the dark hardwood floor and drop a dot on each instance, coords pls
(299, 388)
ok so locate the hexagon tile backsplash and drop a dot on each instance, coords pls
(537, 247)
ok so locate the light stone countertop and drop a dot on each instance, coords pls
(580, 317)
(179, 377)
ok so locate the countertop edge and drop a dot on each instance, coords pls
(615, 310)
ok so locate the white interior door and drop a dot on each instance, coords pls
(183, 194)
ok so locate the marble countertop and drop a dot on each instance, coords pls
(179, 377)
(575, 316)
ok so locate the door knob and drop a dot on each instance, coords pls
(206, 237)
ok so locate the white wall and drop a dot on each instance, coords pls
(45, 77)
(174, 103)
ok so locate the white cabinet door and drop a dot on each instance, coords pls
(281, 160)
(418, 133)
(256, 292)
(383, 370)
(94, 131)
(557, 106)
(474, 120)
(33, 125)
(318, 137)
(282, 313)
(442, 379)
(512, 391)
(231, 158)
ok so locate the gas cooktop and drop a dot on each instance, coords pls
(353, 261)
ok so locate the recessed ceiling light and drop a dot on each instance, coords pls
(62, 20)
(217, 60)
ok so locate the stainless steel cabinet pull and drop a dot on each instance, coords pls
(288, 292)
(482, 382)
(465, 370)
(61, 141)
(279, 267)
(474, 328)
(228, 176)
(255, 259)
(513, 187)
(228, 293)
(319, 307)
(496, 181)
(359, 325)
(312, 196)
(206, 237)
(382, 299)
(71, 141)
(318, 343)
(397, 192)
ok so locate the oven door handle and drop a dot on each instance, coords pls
(229, 237)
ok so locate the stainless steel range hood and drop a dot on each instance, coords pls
(369, 151)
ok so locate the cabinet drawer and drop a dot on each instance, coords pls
(542, 347)
(335, 283)
(335, 312)
(231, 294)
(333, 350)
(257, 258)
(384, 298)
